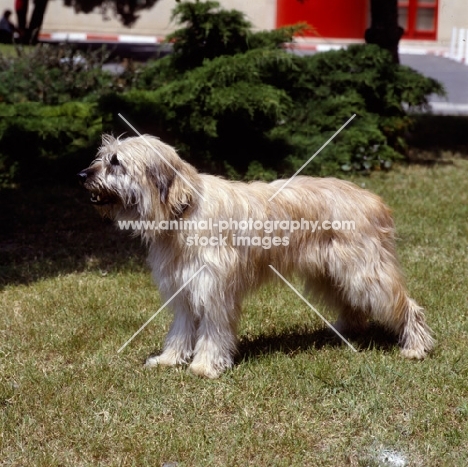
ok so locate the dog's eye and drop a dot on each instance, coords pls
(114, 160)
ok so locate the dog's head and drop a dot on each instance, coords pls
(139, 178)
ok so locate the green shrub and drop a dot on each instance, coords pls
(216, 114)
(210, 31)
(328, 88)
(230, 99)
(266, 111)
(35, 139)
(53, 75)
(233, 101)
(48, 110)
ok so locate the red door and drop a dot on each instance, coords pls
(418, 18)
(341, 19)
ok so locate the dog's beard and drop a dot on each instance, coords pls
(107, 202)
(116, 198)
(100, 198)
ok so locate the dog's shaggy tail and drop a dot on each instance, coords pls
(415, 335)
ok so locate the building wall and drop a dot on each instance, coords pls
(156, 22)
(262, 13)
(452, 13)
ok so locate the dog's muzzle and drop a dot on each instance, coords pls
(82, 176)
(96, 197)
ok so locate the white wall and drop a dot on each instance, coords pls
(156, 22)
(452, 13)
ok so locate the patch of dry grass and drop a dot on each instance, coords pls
(74, 290)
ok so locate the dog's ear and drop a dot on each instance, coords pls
(174, 193)
(163, 182)
(180, 194)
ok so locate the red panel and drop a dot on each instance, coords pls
(413, 8)
(330, 18)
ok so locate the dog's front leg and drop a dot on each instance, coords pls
(216, 341)
(179, 343)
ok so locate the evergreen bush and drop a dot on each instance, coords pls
(35, 139)
(232, 101)
(235, 102)
(53, 74)
(48, 109)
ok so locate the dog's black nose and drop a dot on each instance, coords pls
(82, 176)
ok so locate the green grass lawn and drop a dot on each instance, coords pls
(73, 290)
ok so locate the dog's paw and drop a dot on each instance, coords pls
(151, 362)
(161, 360)
(205, 371)
(415, 354)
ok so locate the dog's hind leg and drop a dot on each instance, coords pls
(389, 304)
(180, 341)
(377, 287)
(350, 320)
(414, 334)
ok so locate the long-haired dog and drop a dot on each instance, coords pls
(354, 270)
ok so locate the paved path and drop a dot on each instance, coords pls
(453, 75)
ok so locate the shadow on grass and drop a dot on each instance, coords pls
(440, 132)
(437, 139)
(294, 341)
(50, 229)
